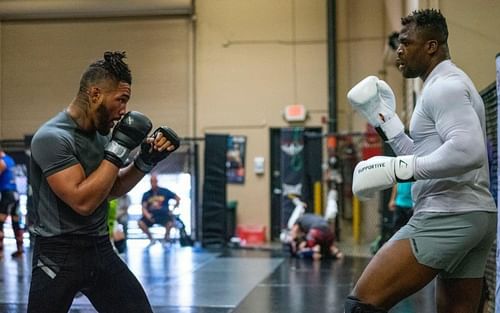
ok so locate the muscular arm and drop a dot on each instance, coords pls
(83, 194)
(402, 144)
(127, 178)
(459, 127)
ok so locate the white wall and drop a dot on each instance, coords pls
(253, 58)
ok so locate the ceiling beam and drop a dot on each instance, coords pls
(51, 9)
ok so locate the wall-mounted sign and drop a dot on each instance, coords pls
(295, 113)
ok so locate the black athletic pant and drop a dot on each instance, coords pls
(64, 265)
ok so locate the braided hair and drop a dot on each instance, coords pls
(110, 68)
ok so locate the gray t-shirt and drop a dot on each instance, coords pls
(309, 221)
(57, 145)
(448, 137)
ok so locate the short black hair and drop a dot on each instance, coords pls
(111, 67)
(430, 22)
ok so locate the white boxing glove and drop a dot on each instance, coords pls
(375, 100)
(381, 172)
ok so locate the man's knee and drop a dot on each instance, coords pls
(354, 305)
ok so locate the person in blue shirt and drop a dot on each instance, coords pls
(155, 209)
(401, 204)
(9, 202)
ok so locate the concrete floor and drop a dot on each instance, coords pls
(196, 280)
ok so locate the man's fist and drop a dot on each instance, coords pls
(375, 100)
(127, 134)
(381, 172)
(149, 156)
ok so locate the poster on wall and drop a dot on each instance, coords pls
(235, 159)
(497, 291)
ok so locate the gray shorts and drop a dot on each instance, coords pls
(457, 244)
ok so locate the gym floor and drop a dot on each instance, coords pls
(195, 280)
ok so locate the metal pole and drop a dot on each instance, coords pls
(332, 66)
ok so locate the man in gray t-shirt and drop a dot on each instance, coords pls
(454, 223)
(76, 166)
(53, 217)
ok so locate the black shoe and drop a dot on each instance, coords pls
(17, 254)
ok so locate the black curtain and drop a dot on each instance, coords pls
(214, 209)
(313, 172)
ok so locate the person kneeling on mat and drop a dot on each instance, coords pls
(311, 237)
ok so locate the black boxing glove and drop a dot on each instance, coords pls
(127, 134)
(148, 157)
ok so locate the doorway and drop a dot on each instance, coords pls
(296, 168)
(178, 173)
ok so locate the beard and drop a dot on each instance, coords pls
(410, 73)
(102, 122)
